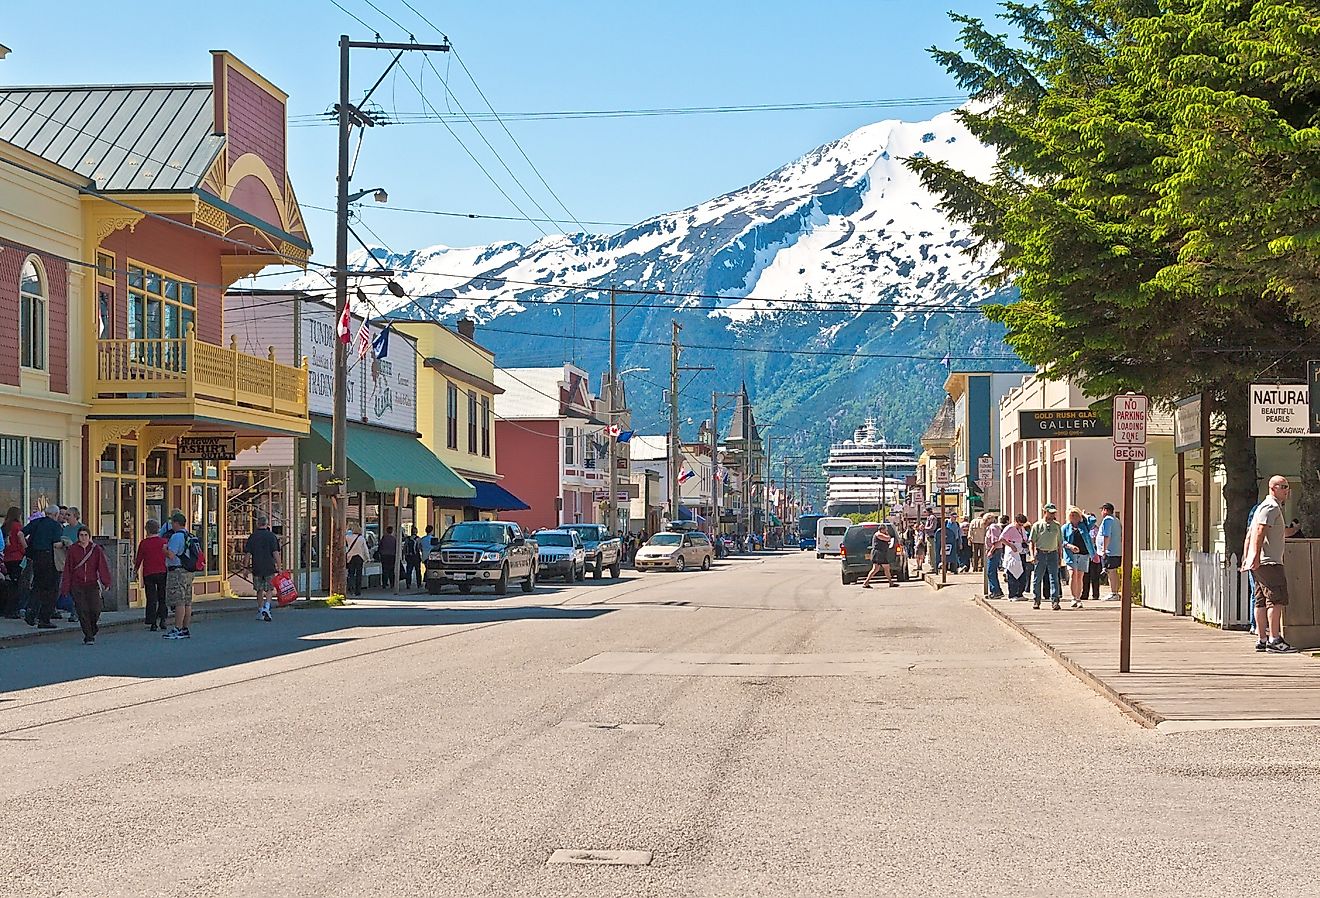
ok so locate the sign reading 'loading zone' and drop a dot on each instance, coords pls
(1062, 424)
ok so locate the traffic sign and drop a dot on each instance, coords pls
(985, 471)
(943, 472)
(1130, 420)
(1129, 453)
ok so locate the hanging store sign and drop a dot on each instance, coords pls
(1187, 424)
(208, 447)
(1062, 424)
(1279, 410)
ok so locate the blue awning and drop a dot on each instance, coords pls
(687, 514)
(493, 497)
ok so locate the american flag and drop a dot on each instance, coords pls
(363, 340)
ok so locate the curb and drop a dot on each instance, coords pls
(70, 630)
(933, 581)
(1130, 708)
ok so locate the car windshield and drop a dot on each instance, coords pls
(666, 539)
(585, 533)
(554, 539)
(474, 532)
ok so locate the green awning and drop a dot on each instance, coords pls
(774, 520)
(381, 461)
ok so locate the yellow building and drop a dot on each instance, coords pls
(456, 393)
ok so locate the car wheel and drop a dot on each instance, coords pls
(600, 568)
(705, 563)
(682, 564)
(820, 554)
(616, 569)
(529, 583)
(502, 584)
(432, 587)
(847, 581)
(465, 588)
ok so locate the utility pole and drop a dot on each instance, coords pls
(714, 464)
(613, 505)
(349, 115)
(674, 453)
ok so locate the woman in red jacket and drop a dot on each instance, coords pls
(86, 573)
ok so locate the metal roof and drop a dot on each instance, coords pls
(146, 137)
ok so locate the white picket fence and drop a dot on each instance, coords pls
(1159, 579)
(1220, 594)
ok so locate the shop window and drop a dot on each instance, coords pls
(32, 315)
(205, 511)
(570, 446)
(12, 468)
(44, 473)
(160, 308)
(451, 410)
(472, 422)
(30, 473)
(485, 426)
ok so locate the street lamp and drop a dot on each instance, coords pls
(377, 193)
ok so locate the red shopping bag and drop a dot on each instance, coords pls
(286, 590)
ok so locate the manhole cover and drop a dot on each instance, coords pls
(601, 857)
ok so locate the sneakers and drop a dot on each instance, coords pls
(1055, 606)
(1076, 603)
(1262, 646)
(1035, 604)
(1112, 597)
(176, 633)
(1278, 646)
(89, 640)
(265, 616)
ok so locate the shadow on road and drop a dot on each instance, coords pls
(233, 639)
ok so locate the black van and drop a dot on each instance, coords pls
(856, 558)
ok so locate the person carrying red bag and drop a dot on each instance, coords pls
(86, 573)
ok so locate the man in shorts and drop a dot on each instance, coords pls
(1263, 554)
(263, 547)
(178, 582)
(883, 554)
(1109, 546)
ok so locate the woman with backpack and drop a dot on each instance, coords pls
(86, 573)
(355, 556)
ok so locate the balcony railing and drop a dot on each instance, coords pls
(188, 368)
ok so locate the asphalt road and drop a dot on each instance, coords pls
(759, 729)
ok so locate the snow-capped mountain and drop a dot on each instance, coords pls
(839, 257)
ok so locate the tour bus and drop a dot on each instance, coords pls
(807, 531)
(829, 535)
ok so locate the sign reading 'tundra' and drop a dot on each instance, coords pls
(1063, 423)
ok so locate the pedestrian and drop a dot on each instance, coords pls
(389, 557)
(931, 535)
(1109, 546)
(86, 573)
(1077, 552)
(976, 537)
(883, 554)
(965, 545)
(994, 561)
(1014, 538)
(263, 548)
(15, 550)
(43, 534)
(71, 519)
(181, 553)
(952, 543)
(1046, 540)
(425, 546)
(411, 559)
(1263, 554)
(150, 559)
(355, 556)
(1095, 571)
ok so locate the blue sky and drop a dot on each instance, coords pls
(527, 56)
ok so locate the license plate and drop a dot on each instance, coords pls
(458, 576)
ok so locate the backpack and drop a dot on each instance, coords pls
(192, 559)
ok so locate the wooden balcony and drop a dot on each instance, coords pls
(185, 377)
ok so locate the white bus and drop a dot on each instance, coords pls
(829, 536)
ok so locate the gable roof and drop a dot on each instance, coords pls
(736, 427)
(130, 138)
(943, 427)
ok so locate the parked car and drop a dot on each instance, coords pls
(675, 551)
(560, 554)
(482, 552)
(856, 554)
(603, 549)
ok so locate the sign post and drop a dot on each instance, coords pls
(1129, 447)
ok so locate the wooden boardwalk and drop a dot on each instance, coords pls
(1184, 676)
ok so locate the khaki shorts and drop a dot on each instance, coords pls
(1271, 585)
(179, 587)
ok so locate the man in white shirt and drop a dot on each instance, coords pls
(1263, 556)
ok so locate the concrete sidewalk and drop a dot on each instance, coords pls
(1184, 675)
(16, 632)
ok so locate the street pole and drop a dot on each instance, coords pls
(674, 453)
(613, 505)
(1125, 607)
(714, 463)
(747, 468)
(339, 427)
(1206, 472)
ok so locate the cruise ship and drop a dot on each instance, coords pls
(857, 467)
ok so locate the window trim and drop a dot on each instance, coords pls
(131, 293)
(27, 342)
(451, 412)
(472, 421)
(485, 426)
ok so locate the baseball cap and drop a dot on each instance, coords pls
(1108, 506)
(178, 518)
(1050, 506)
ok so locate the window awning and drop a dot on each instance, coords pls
(381, 461)
(493, 497)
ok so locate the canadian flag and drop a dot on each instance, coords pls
(615, 430)
(344, 325)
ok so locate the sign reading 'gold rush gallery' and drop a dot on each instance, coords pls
(1063, 423)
